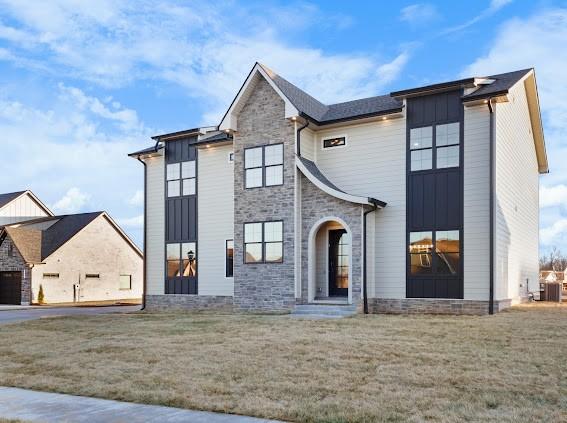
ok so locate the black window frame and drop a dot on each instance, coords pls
(433, 256)
(263, 243)
(431, 148)
(228, 261)
(180, 260)
(457, 144)
(343, 144)
(435, 148)
(263, 165)
(181, 179)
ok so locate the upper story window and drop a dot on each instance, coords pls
(334, 142)
(263, 242)
(446, 146)
(181, 260)
(263, 166)
(181, 179)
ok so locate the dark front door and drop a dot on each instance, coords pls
(10, 288)
(338, 263)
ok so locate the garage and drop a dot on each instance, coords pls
(10, 288)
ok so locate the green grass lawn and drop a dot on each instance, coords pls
(511, 367)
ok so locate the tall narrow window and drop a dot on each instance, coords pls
(181, 260)
(263, 166)
(263, 242)
(229, 258)
(421, 147)
(447, 145)
(447, 252)
(181, 179)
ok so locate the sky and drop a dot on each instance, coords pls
(85, 83)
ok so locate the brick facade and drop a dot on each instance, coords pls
(433, 306)
(15, 263)
(188, 302)
(264, 287)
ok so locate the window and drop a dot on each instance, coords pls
(231, 157)
(421, 148)
(263, 166)
(334, 142)
(125, 282)
(181, 179)
(51, 276)
(263, 242)
(92, 276)
(447, 253)
(447, 145)
(229, 258)
(11, 250)
(420, 248)
(181, 260)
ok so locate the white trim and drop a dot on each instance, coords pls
(312, 256)
(327, 189)
(337, 147)
(230, 120)
(34, 199)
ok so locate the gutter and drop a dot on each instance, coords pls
(144, 271)
(298, 137)
(364, 268)
(492, 189)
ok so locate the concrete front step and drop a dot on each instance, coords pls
(324, 310)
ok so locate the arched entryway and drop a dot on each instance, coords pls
(329, 267)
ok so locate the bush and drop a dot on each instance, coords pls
(40, 295)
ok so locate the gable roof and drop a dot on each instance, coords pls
(5, 199)
(36, 242)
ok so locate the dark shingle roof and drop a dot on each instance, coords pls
(148, 150)
(220, 136)
(314, 170)
(6, 198)
(503, 82)
(37, 244)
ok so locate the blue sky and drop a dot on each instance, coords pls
(84, 83)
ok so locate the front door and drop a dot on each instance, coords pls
(10, 288)
(339, 242)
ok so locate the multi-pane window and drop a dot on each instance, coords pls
(334, 142)
(263, 242)
(447, 140)
(229, 258)
(435, 252)
(181, 260)
(181, 179)
(421, 140)
(263, 166)
(447, 145)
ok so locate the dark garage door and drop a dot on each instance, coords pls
(10, 288)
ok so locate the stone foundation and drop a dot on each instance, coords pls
(433, 306)
(175, 302)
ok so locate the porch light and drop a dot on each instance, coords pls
(294, 118)
(191, 256)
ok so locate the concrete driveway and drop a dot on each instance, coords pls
(8, 315)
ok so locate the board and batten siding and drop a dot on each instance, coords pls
(516, 200)
(215, 179)
(373, 164)
(476, 203)
(155, 226)
(20, 209)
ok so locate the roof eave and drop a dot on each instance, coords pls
(429, 89)
(351, 118)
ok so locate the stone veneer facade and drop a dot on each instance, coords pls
(433, 306)
(266, 287)
(317, 205)
(16, 263)
(188, 302)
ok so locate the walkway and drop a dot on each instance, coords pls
(44, 407)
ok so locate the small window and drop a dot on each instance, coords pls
(447, 145)
(181, 179)
(420, 249)
(231, 157)
(229, 258)
(125, 282)
(263, 242)
(263, 166)
(11, 250)
(51, 276)
(421, 140)
(334, 142)
(181, 260)
(92, 276)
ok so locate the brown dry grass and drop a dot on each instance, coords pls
(511, 367)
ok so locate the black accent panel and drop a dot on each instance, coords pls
(180, 150)
(434, 109)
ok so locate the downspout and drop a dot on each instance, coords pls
(492, 188)
(364, 271)
(145, 231)
(298, 137)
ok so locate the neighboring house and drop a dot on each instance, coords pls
(422, 200)
(72, 258)
(551, 276)
(20, 206)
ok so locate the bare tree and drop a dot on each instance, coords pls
(554, 260)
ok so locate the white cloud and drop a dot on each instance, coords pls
(72, 202)
(137, 199)
(495, 6)
(136, 222)
(549, 235)
(419, 13)
(553, 196)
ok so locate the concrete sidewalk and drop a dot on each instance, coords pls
(44, 407)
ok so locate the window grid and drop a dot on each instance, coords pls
(263, 166)
(263, 242)
(443, 139)
(181, 260)
(434, 253)
(181, 178)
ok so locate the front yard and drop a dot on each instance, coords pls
(508, 368)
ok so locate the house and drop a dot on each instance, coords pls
(421, 200)
(71, 258)
(19, 206)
